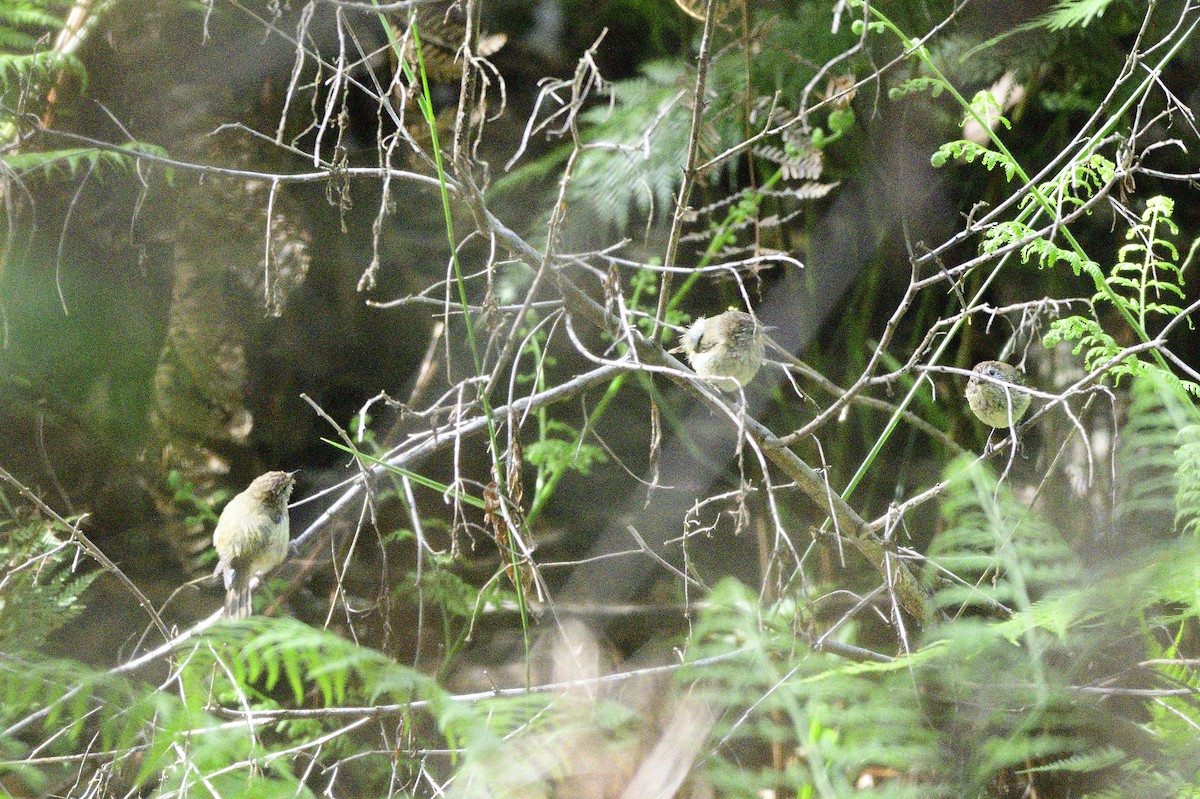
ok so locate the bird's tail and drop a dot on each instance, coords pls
(237, 598)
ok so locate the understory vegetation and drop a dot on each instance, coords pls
(441, 256)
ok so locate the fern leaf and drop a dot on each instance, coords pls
(1072, 14)
(1001, 554)
(1147, 456)
(1187, 478)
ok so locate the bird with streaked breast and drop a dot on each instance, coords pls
(726, 349)
(251, 538)
(997, 404)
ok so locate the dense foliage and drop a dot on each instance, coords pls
(438, 256)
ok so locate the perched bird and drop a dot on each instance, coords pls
(252, 538)
(997, 404)
(726, 349)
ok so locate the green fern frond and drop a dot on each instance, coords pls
(33, 13)
(262, 663)
(71, 162)
(934, 86)
(1155, 270)
(641, 166)
(1149, 269)
(1001, 553)
(39, 592)
(263, 654)
(837, 717)
(13, 40)
(1048, 254)
(18, 71)
(1067, 14)
(969, 151)
(1071, 14)
(1015, 751)
(1147, 464)
(1083, 762)
(1076, 184)
(1187, 478)
(95, 709)
(564, 449)
(27, 28)
(1073, 186)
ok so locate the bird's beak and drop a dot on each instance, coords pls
(293, 474)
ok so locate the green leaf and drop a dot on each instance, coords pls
(567, 452)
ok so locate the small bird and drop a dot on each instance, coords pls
(997, 404)
(252, 538)
(726, 349)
